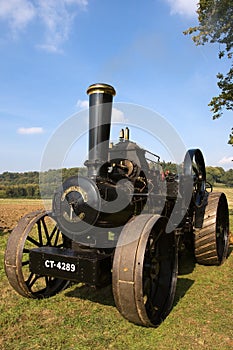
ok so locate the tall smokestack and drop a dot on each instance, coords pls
(100, 110)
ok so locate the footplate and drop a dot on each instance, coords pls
(89, 267)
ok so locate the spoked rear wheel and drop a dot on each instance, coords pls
(145, 270)
(212, 240)
(36, 229)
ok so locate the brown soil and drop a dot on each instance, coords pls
(11, 213)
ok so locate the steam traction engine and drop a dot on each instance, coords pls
(122, 224)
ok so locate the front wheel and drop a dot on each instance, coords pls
(145, 270)
(36, 229)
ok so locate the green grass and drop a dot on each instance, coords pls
(83, 318)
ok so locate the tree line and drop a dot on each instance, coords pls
(214, 175)
(34, 184)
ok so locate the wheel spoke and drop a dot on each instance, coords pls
(32, 240)
(53, 232)
(57, 238)
(32, 280)
(46, 232)
(39, 233)
(26, 250)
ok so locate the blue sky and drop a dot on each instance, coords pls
(52, 50)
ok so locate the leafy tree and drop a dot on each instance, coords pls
(215, 26)
(228, 178)
(171, 167)
(214, 174)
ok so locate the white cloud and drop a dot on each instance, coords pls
(57, 21)
(118, 116)
(183, 7)
(52, 48)
(226, 160)
(18, 13)
(56, 16)
(30, 131)
(82, 3)
(82, 104)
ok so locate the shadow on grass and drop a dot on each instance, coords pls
(186, 266)
(183, 285)
(104, 295)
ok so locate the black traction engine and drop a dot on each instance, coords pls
(123, 224)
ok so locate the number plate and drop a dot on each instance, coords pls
(60, 265)
(54, 262)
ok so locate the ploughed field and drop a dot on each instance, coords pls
(11, 210)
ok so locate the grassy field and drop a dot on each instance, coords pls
(83, 318)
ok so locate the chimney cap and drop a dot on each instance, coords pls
(101, 88)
